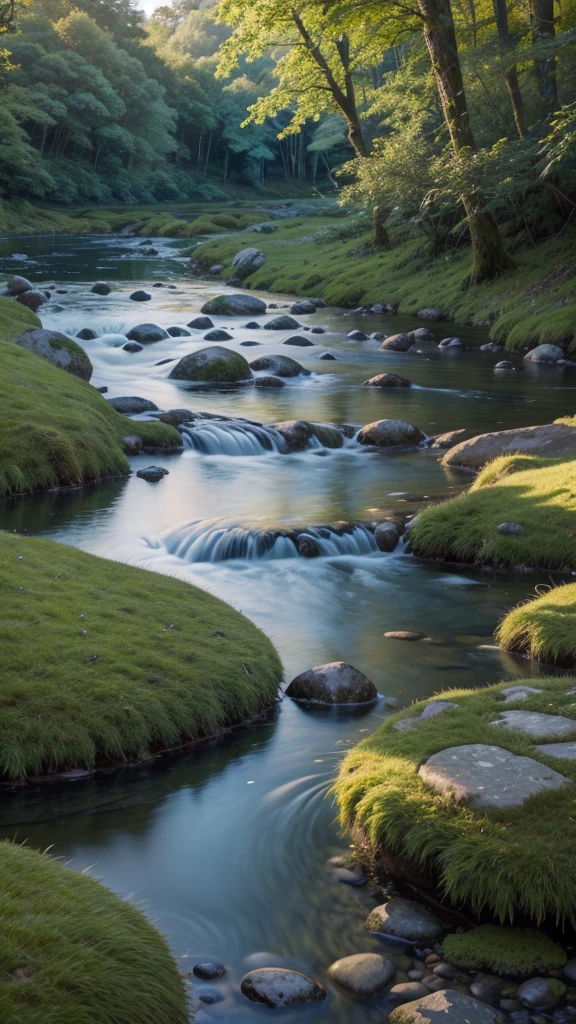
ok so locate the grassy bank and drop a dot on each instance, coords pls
(541, 499)
(500, 860)
(334, 259)
(543, 629)
(74, 953)
(152, 663)
(55, 429)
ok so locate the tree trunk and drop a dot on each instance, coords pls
(507, 43)
(490, 258)
(542, 15)
(381, 236)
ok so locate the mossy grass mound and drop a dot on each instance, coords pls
(541, 499)
(543, 629)
(508, 861)
(514, 952)
(74, 953)
(103, 662)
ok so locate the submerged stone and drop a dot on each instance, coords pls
(279, 987)
(334, 683)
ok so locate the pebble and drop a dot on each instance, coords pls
(363, 974)
(209, 971)
(408, 991)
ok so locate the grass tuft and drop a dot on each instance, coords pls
(543, 629)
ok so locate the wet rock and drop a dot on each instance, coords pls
(268, 382)
(18, 285)
(252, 325)
(103, 389)
(508, 1005)
(538, 993)
(162, 362)
(388, 380)
(210, 996)
(249, 344)
(429, 313)
(334, 683)
(446, 1007)
(86, 334)
(32, 299)
(214, 364)
(248, 260)
(158, 284)
(318, 330)
(281, 323)
(279, 987)
(450, 343)
(131, 444)
(449, 439)
(209, 971)
(308, 546)
(302, 307)
(299, 342)
(487, 776)
(201, 323)
(551, 440)
(504, 365)
(397, 343)
(327, 356)
(178, 332)
(363, 974)
(101, 288)
(130, 405)
(404, 634)
(546, 354)
(407, 991)
(421, 334)
(233, 305)
(296, 433)
(442, 969)
(386, 536)
(491, 346)
(140, 296)
(319, 303)
(176, 416)
(404, 919)
(488, 989)
(133, 346)
(387, 433)
(536, 724)
(510, 529)
(146, 334)
(280, 366)
(218, 334)
(357, 336)
(152, 473)
(57, 349)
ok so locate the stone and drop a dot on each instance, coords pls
(363, 974)
(429, 313)
(308, 546)
(557, 440)
(388, 433)
(504, 364)
(299, 342)
(86, 334)
(536, 724)
(437, 707)
(303, 307)
(101, 288)
(281, 323)
(132, 444)
(209, 971)
(334, 683)
(450, 343)
(327, 356)
(404, 919)
(539, 993)
(565, 750)
(442, 969)
(178, 332)
(140, 296)
(176, 416)
(269, 382)
(347, 872)
(408, 990)
(445, 1007)
(388, 380)
(449, 439)
(252, 325)
(547, 354)
(133, 346)
(233, 305)
(32, 299)
(397, 343)
(130, 405)
(421, 334)
(510, 529)
(247, 260)
(357, 336)
(488, 989)
(434, 984)
(403, 634)
(152, 473)
(490, 346)
(212, 364)
(218, 334)
(279, 987)
(210, 996)
(249, 343)
(201, 323)
(280, 366)
(487, 776)
(18, 285)
(57, 349)
(146, 334)
(265, 229)
(386, 536)
(520, 692)
(217, 268)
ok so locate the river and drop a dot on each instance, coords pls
(227, 847)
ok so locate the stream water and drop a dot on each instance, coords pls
(227, 847)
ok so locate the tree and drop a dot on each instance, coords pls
(508, 43)
(543, 31)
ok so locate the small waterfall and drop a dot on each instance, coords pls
(219, 540)
(232, 437)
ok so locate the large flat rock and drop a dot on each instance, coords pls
(486, 776)
(552, 439)
(566, 750)
(536, 724)
(446, 1007)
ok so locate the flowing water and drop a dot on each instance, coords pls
(227, 847)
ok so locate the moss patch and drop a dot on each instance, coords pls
(509, 861)
(515, 952)
(541, 499)
(154, 662)
(72, 952)
(543, 629)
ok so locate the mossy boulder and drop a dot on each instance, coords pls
(513, 952)
(74, 951)
(233, 305)
(59, 350)
(389, 433)
(216, 364)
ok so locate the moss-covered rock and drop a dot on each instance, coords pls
(59, 350)
(214, 364)
(74, 951)
(514, 952)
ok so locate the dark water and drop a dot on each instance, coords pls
(227, 847)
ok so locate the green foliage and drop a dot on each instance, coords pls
(543, 629)
(173, 664)
(516, 952)
(500, 861)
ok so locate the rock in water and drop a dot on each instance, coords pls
(101, 288)
(539, 993)
(363, 974)
(178, 332)
(86, 334)
(152, 473)
(386, 536)
(218, 334)
(505, 364)
(133, 346)
(299, 342)
(388, 380)
(404, 919)
(450, 343)
(279, 987)
(18, 285)
(146, 334)
(281, 323)
(446, 1007)
(397, 343)
(429, 313)
(357, 336)
(130, 405)
(335, 683)
(233, 305)
(132, 444)
(280, 366)
(554, 440)
(209, 971)
(404, 634)
(214, 364)
(32, 299)
(387, 433)
(58, 350)
(305, 306)
(201, 323)
(140, 296)
(549, 354)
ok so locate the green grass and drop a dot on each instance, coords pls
(72, 952)
(543, 629)
(163, 673)
(55, 429)
(507, 862)
(541, 499)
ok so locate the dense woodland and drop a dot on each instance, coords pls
(458, 117)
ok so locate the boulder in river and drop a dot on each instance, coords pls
(214, 364)
(131, 444)
(421, 334)
(397, 343)
(279, 987)
(450, 343)
(404, 919)
(303, 307)
(388, 380)
(32, 299)
(544, 354)
(281, 323)
(233, 305)
(334, 683)
(146, 334)
(505, 364)
(201, 323)
(447, 1006)
(386, 536)
(86, 334)
(178, 332)
(218, 334)
(101, 288)
(429, 313)
(552, 440)
(299, 342)
(152, 473)
(280, 366)
(357, 336)
(268, 382)
(208, 970)
(18, 285)
(449, 439)
(363, 974)
(133, 346)
(248, 260)
(140, 296)
(132, 405)
(540, 993)
(58, 350)
(327, 357)
(387, 433)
